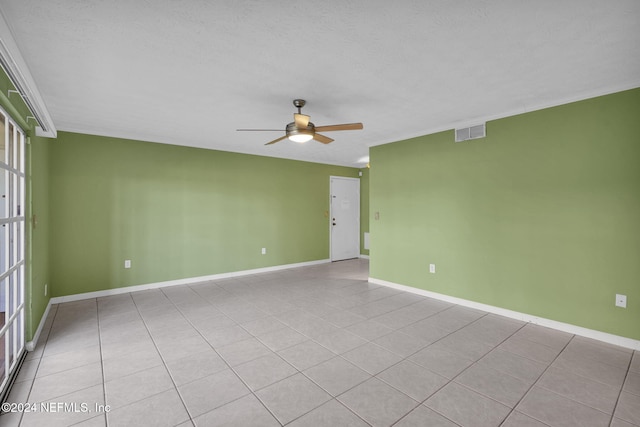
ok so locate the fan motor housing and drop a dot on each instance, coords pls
(292, 129)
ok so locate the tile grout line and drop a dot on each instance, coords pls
(336, 397)
(590, 379)
(606, 364)
(538, 379)
(372, 376)
(305, 335)
(452, 380)
(33, 380)
(404, 358)
(613, 412)
(164, 362)
(104, 382)
(307, 295)
(535, 382)
(223, 359)
(41, 357)
(298, 371)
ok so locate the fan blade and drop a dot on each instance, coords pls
(346, 126)
(301, 120)
(276, 140)
(259, 130)
(322, 138)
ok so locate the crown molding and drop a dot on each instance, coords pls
(16, 69)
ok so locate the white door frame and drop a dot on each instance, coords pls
(331, 257)
(12, 269)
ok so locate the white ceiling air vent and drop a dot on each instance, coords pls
(473, 132)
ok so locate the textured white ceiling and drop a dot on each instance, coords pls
(190, 72)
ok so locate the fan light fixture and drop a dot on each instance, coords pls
(300, 133)
(301, 137)
(301, 130)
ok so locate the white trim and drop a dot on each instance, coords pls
(31, 345)
(19, 74)
(187, 281)
(564, 327)
(451, 126)
(363, 256)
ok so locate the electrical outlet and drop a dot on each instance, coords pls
(46, 289)
(621, 301)
(127, 263)
(432, 268)
(376, 216)
(264, 251)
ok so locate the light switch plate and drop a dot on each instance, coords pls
(621, 301)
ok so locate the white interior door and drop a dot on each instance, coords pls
(345, 218)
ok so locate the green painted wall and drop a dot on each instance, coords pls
(364, 208)
(178, 212)
(38, 250)
(542, 216)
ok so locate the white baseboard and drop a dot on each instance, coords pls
(31, 345)
(187, 281)
(362, 256)
(564, 327)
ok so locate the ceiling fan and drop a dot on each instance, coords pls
(302, 130)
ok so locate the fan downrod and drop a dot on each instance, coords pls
(299, 103)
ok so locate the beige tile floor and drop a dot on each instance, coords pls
(315, 346)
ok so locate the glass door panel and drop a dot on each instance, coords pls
(12, 229)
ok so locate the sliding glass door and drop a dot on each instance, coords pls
(12, 222)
